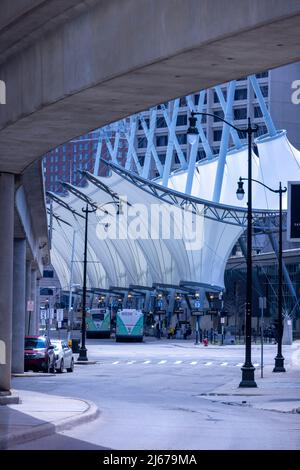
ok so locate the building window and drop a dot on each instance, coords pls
(141, 159)
(218, 113)
(182, 102)
(201, 154)
(48, 273)
(240, 113)
(182, 139)
(196, 99)
(216, 99)
(142, 142)
(181, 120)
(163, 105)
(257, 112)
(261, 130)
(265, 90)
(217, 135)
(161, 140)
(140, 127)
(160, 122)
(262, 75)
(240, 94)
(162, 157)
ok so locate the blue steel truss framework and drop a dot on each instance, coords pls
(130, 129)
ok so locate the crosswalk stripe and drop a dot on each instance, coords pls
(177, 362)
(224, 364)
(239, 364)
(116, 362)
(162, 362)
(208, 364)
(131, 362)
(193, 363)
(146, 362)
(256, 365)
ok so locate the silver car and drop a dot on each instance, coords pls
(63, 356)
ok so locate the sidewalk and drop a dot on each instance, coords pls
(278, 392)
(40, 415)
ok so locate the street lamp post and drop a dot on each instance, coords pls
(83, 351)
(247, 368)
(279, 359)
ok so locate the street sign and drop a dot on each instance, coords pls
(222, 320)
(197, 304)
(60, 314)
(59, 324)
(160, 312)
(293, 215)
(197, 313)
(30, 306)
(51, 313)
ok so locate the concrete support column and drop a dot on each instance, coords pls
(7, 188)
(37, 308)
(18, 315)
(32, 314)
(28, 296)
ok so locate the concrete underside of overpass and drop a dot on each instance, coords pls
(75, 65)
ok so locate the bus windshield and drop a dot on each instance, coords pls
(98, 316)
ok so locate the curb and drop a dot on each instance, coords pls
(85, 363)
(47, 429)
(33, 374)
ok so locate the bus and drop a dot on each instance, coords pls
(98, 323)
(130, 325)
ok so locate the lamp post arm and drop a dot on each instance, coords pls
(193, 113)
(280, 190)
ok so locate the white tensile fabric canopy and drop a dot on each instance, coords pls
(142, 258)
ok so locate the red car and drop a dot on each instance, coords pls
(39, 354)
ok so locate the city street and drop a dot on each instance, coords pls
(150, 397)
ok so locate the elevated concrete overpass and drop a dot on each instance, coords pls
(73, 65)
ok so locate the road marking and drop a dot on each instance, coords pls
(208, 364)
(224, 364)
(177, 362)
(239, 364)
(256, 365)
(146, 362)
(131, 362)
(116, 362)
(162, 362)
(193, 363)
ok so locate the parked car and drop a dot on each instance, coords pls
(63, 356)
(39, 354)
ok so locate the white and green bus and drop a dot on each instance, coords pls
(98, 323)
(130, 325)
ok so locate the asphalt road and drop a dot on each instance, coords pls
(150, 398)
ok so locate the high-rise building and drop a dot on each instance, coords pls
(63, 162)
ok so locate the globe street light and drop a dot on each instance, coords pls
(279, 359)
(247, 368)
